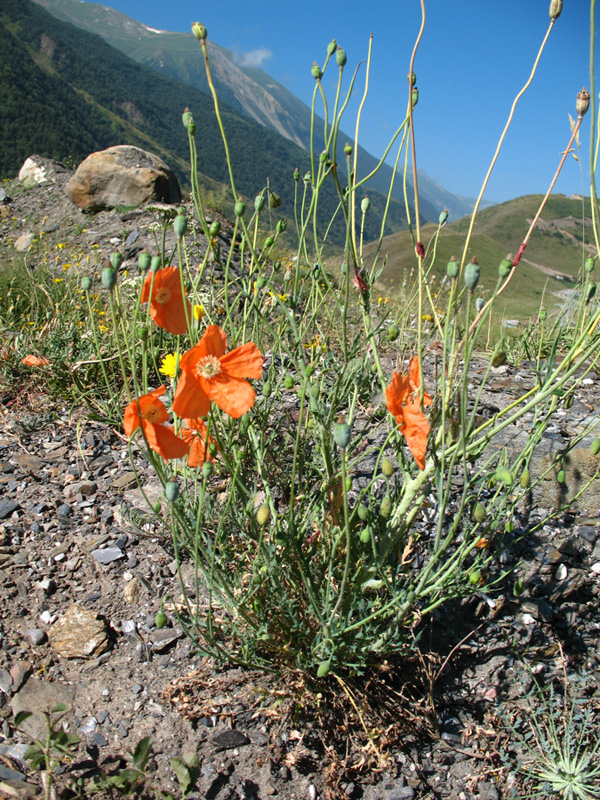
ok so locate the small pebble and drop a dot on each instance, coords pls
(36, 636)
(64, 510)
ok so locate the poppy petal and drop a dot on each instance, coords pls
(396, 393)
(190, 398)
(234, 396)
(245, 361)
(164, 441)
(415, 428)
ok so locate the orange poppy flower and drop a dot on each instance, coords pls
(194, 434)
(167, 303)
(35, 361)
(149, 413)
(208, 373)
(405, 404)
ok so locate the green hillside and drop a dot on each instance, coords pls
(67, 93)
(550, 265)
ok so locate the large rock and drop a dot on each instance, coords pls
(79, 633)
(122, 176)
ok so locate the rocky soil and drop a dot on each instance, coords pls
(84, 565)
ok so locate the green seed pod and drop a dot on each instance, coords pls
(509, 526)
(543, 314)
(479, 513)
(323, 669)
(385, 509)
(180, 225)
(207, 469)
(453, 268)
(589, 265)
(142, 333)
(340, 57)
(525, 479)
(331, 47)
(583, 102)
(363, 512)
(155, 263)
(199, 31)
(307, 177)
(365, 535)
(277, 266)
(415, 96)
(215, 228)
(259, 203)
(310, 371)
(479, 304)
(348, 482)
(365, 205)
(157, 507)
(116, 259)
(160, 620)
(560, 476)
(281, 225)
(412, 78)
(172, 491)
(342, 434)
(555, 8)
(392, 333)
(144, 262)
(261, 282)
(296, 174)
(86, 283)
(387, 468)
(274, 200)
(591, 291)
(505, 476)
(348, 149)
(212, 449)
(324, 157)
(472, 272)
(505, 267)
(187, 118)
(269, 242)
(109, 278)
(443, 217)
(475, 577)
(267, 389)
(263, 515)
(240, 208)
(595, 447)
(316, 71)
(288, 382)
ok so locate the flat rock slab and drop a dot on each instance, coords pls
(38, 696)
(79, 634)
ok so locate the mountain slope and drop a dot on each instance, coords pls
(249, 90)
(68, 93)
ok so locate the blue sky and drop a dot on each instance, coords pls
(474, 57)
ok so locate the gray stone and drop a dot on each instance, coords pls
(228, 739)
(64, 510)
(85, 488)
(24, 242)
(36, 636)
(122, 176)
(7, 507)
(6, 681)
(163, 638)
(107, 555)
(38, 696)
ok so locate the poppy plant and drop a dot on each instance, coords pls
(167, 303)
(195, 434)
(404, 402)
(149, 413)
(209, 372)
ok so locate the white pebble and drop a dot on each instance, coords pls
(528, 619)
(561, 572)
(596, 568)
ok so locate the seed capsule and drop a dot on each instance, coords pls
(595, 447)
(187, 118)
(415, 96)
(543, 314)
(155, 263)
(443, 217)
(215, 228)
(363, 512)
(385, 509)
(348, 149)
(505, 476)
(331, 47)
(172, 491)
(269, 242)
(475, 577)
(296, 174)
(109, 278)
(472, 272)
(116, 259)
(452, 268)
(274, 200)
(479, 513)
(316, 71)
(144, 262)
(263, 515)
(583, 102)
(589, 264)
(281, 225)
(323, 669)
(180, 225)
(387, 468)
(505, 267)
(524, 479)
(288, 382)
(342, 434)
(199, 31)
(259, 203)
(560, 476)
(340, 57)
(365, 535)
(392, 333)
(365, 205)
(86, 283)
(555, 8)
(207, 469)
(591, 291)
(240, 208)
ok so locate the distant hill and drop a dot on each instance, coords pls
(247, 90)
(550, 265)
(67, 93)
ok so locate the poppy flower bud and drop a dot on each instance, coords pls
(524, 479)
(259, 203)
(479, 304)
(144, 262)
(560, 476)
(180, 225)
(365, 205)
(412, 78)
(392, 333)
(472, 272)
(160, 620)
(415, 96)
(479, 513)
(187, 118)
(240, 208)
(155, 264)
(207, 469)
(86, 283)
(452, 268)
(116, 259)
(199, 31)
(348, 149)
(443, 217)
(307, 177)
(589, 265)
(505, 476)
(296, 174)
(595, 447)
(263, 515)
(281, 225)
(591, 291)
(505, 267)
(387, 468)
(331, 47)
(274, 200)
(583, 102)
(316, 71)
(215, 228)
(555, 8)
(342, 434)
(269, 242)
(323, 669)
(385, 509)
(543, 314)
(340, 57)
(109, 278)
(172, 491)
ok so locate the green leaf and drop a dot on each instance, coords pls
(21, 716)
(182, 773)
(142, 751)
(58, 708)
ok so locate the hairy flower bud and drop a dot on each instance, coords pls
(472, 272)
(505, 267)
(215, 228)
(555, 8)
(316, 71)
(348, 149)
(331, 47)
(240, 208)
(259, 203)
(281, 225)
(109, 278)
(583, 102)
(187, 118)
(443, 217)
(199, 31)
(340, 57)
(144, 262)
(365, 205)
(415, 96)
(453, 268)
(589, 265)
(180, 225)
(86, 283)
(116, 259)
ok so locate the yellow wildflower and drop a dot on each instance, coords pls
(198, 312)
(169, 365)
